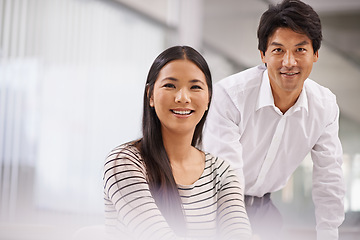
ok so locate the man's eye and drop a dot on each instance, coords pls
(277, 50)
(301, 50)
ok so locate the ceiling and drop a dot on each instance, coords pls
(229, 27)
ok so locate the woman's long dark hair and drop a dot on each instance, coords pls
(161, 180)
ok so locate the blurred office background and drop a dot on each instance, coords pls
(72, 74)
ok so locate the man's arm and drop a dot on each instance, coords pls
(328, 181)
(222, 133)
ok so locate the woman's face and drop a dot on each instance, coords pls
(180, 96)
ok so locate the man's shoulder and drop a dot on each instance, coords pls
(318, 92)
(243, 80)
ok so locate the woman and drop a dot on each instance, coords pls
(162, 186)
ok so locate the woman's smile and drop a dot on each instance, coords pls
(182, 112)
(180, 96)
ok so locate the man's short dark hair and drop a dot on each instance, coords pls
(293, 14)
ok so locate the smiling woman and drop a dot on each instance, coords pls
(180, 98)
(162, 186)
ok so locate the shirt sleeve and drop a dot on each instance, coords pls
(233, 221)
(222, 133)
(126, 187)
(328, 181)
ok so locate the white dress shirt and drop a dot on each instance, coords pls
(265, 146)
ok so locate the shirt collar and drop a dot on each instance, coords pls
(302, 102)
(265, 97)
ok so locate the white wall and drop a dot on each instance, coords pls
(81, 66)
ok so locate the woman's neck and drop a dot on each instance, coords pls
(187, 162)
(178, 147)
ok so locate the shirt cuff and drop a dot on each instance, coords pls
(329, 234)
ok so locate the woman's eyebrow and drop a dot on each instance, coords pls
(197, 81)
(175, 80)
(169, 78)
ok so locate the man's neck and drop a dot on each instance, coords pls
(285, 100)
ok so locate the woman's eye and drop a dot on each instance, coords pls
(169, 85)
(196, 87)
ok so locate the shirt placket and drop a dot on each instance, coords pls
(270, 156)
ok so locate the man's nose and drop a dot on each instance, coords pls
(289, 60)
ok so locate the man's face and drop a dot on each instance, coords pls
(289, 58)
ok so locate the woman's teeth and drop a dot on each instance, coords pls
(182, 112)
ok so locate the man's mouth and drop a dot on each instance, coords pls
(289, 73)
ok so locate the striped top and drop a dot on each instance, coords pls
(213, 206)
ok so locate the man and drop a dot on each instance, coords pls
(266, 119)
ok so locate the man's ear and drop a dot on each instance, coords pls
(262, 55)
(316, 56)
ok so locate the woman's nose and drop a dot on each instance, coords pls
(182, 96)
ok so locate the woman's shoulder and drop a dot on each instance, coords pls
(129, 147)
(222, 170)
(217, 165)
(126, 152)
(214, 160)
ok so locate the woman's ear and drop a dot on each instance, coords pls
(208, 105)
(151, 100)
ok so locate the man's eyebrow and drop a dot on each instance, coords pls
(276, 44)
(302, 43)
(299, 44)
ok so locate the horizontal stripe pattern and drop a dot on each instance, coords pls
(213, 205)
